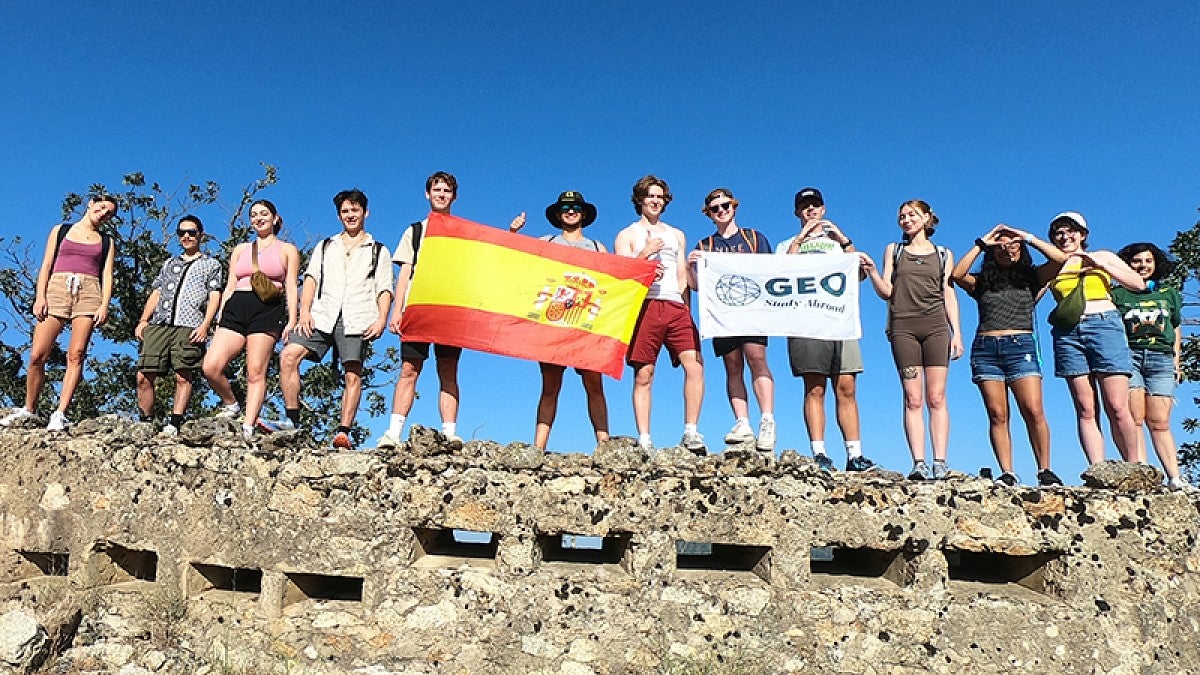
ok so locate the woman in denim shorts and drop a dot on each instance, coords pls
(1093, 356)
(1004, 355)
(1152, 319)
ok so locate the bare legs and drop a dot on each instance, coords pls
(1028, 393)
(925, 388)
(1155, 413)
(593, 385)
(44, 336)
(760, 375)
(1087, 391)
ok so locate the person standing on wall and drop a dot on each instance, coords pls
(666, 317)
(344, 305)
(174, 325)
(823, 361)
(739, 352)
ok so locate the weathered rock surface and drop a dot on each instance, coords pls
(207, 554)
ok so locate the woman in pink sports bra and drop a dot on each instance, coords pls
(246, 322)
(74, 286)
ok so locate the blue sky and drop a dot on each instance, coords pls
(990, 111)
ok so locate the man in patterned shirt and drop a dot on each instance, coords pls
(175, 321)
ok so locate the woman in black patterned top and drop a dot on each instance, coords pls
(1004, 354)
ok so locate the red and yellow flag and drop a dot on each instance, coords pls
(493, 291)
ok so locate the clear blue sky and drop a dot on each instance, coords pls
(991, 112)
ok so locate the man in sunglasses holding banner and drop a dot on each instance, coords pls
(174, 324)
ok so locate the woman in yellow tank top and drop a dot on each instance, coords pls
(1093, 356)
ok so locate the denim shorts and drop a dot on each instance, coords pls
(1153, 371)
(1004, 358)
(1096, 345)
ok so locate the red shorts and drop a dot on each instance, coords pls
(662, 322)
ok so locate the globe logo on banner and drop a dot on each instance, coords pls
(736, 290)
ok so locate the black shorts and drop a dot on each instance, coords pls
(419, 351)
(245, 314)
(726, 345)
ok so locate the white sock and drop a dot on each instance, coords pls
(689, 428)
(644, 439)
(740, 420)
(448, 428)
(768, 417)
(396, 425)
(818, 447)
(853, 449)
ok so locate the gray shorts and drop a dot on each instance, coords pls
(349, 347)
(824, 357)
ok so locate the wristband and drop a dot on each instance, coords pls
(847, 244)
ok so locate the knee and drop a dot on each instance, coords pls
(352, 379)
(76, 356)
(936, 399)
(143, 381)
(914, 402)
(644, 377)
(998, 416)
(846, 390)
(289, 359)
(816, 392)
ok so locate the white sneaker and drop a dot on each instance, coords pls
(1180, 483)
(14, 416)
(766, 435)
(58, 421)
(387, 440)
(646, 445)
(693, 442)
(169, 430)
(229, 411)
(740, 433)
(248, 432)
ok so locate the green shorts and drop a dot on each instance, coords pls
(167, 348)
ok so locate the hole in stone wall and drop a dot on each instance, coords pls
(716, 557)
(113, 564)
(1000, 568)
(438, 547)
(202, 578)
(302, 587)
(575, 548)
(44, 563)
(857, 562)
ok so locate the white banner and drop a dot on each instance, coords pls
(813, 295)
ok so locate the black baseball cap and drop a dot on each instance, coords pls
(809, 195)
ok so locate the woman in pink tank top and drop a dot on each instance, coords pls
(246, 322)
(74, 286)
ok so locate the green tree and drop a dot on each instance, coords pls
(1186, 248)
(142, 229)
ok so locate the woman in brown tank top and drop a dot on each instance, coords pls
(923, 328)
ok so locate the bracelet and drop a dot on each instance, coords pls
(982, 246)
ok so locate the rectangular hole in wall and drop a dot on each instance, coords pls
(437, 547)
(302, 587)
(42, 563)
(857, 562)
(717, 557)
(114, 564)
(576, 548)
(203, 578)
(1000, 568)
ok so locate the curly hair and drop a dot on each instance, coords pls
(1163, 265)
(642, 188)
(1021, 274)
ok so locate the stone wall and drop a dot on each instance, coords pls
(207, 554)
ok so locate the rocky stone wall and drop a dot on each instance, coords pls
(125, 552)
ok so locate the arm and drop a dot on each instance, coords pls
(383, 295)
(106, 285)
(292, 258)
(402, 279)
(951, 297)
(961, 274)
(210, 311)
(231, 280)
(882, 283)
(147, 312)
(304, 324)
(40, 309)
(693, 260)
(1044, 247)
(684, 272)
(1120, 272)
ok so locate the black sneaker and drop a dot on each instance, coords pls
(1008, 478)
(1047, 478)
(859, 463)
(920, 471)
(823, 462)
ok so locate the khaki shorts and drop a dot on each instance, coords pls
(70, 295)
(167, 348)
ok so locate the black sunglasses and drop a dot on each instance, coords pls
(187, 233)
(723, 206)
(563, 208)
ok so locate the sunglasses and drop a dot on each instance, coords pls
(187, 233)
(723, 206)
(564, 208)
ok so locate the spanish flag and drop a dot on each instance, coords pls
(493, 291)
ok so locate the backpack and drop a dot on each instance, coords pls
(376, 247)
(711, 241)
(943, 258)
(105, 245)
(418, 228)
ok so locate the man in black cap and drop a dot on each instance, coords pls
(819, 361)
